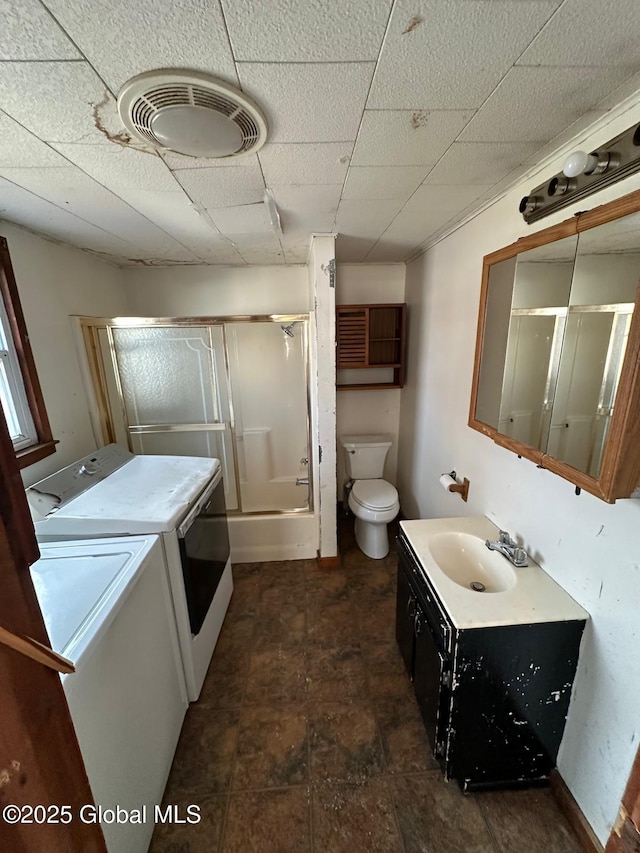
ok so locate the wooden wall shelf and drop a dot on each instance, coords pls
(371, 337)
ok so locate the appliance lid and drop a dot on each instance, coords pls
(81, 586)
(375, 494)
(150, 494)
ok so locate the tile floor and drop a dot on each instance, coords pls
(307, 736)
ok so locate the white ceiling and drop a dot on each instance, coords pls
(387, 120)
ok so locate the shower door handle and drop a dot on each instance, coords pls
(302, 481)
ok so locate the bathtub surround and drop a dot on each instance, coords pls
(587, 546)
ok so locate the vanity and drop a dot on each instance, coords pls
(491, 650)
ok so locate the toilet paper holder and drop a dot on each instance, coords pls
(461, 488)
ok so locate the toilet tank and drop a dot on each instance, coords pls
(364, 455)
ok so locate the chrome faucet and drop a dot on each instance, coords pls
(509, 549)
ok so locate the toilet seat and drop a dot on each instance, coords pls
(374, 494)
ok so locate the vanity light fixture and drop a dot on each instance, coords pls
(583, 173)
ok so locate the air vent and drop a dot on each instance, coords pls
(191, 114)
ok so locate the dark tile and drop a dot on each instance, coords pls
(377, 583)
(272, 749)
(385, 671)
(192, 837)
(268, 822)
(225, 683)
(335, 674)
(345, 743)
(527, 821)
(404, 739)
(326, 585)
(280, 625)
(277, 676)
(435, 815)
(332, 623)
(354, 819)
(205, 753)
(376, 619)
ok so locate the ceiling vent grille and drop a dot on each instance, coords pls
(192, 114)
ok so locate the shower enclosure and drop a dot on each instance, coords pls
(234, 388)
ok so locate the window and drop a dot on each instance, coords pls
(20, 394)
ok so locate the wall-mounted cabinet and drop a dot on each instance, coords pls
(370, 341)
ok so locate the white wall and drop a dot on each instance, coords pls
(54, 282)
(216, 291)
(363, 412)
(591, 548)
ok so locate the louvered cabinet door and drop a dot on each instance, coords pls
(370, 339)
(352, 336)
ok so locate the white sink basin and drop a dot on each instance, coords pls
(466, 560)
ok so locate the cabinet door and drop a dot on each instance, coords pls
(430, 674)
(405, 613)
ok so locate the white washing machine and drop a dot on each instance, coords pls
(107, 607)
(112, 492)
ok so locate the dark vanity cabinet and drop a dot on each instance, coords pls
(494, 699)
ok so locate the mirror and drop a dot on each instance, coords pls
(556, 320)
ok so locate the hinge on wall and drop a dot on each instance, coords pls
(330, 270)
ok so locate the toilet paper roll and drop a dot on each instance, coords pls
(446, 481)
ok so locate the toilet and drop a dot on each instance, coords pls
(373, 501)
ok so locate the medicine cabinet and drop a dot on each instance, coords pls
(370, 344)
(557, 365)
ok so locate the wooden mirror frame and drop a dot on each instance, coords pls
(620, 467)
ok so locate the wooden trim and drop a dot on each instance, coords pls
(573, 813)
(609, 211)
(620, 467)
(9, 292)
(329, 562)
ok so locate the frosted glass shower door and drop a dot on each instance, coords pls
(175, 393)
(268, 368)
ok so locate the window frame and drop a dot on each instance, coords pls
(44, 444)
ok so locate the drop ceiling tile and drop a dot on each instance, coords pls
(305, 30)
(242, 219)
(122, 39)
(305, 163)
(583, 32)
(407, 137)
(120, 168)
(22, 207)
(378, 182)
(352, 249)
(456, 54)
(480, 163)
(75, 192)
(175, 214)
(220, 187)
(306, 210)
(309, 102)
(30, 33)
(58, 101)
(537, 103)
(361, 218)
(261, 249)
(430, 199)
(296, 249)
(19, 147)
(179, 161)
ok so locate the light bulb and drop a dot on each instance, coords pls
(579, 163)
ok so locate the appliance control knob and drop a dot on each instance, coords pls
(88, 469)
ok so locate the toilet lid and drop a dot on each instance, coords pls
(374, 494)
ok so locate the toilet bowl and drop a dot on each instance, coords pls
(373, 501)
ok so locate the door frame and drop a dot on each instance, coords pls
(40, 759)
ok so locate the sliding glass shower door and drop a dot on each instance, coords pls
(237, 391)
